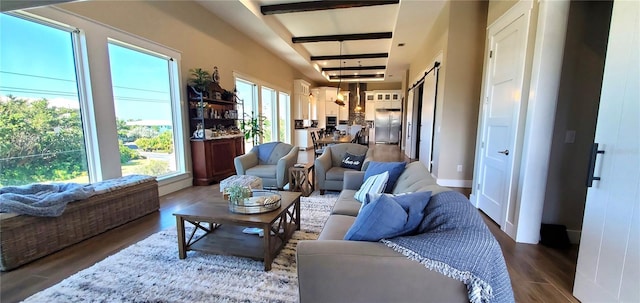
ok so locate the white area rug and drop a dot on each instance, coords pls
(150, 271)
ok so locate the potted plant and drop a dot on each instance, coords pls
(237, 194)
(252, 127)
(200, 79)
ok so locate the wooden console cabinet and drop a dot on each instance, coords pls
(213, 159)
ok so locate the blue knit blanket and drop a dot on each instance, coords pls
(454, 241)
(42, 200)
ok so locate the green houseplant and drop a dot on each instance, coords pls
(237, 193)
(252, 126)
(200, 79)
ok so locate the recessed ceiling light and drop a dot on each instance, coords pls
(400, 44)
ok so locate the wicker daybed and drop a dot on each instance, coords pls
(26, 238)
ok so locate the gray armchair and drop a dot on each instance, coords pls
(329, 174)
(270, 162)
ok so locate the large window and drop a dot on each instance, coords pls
(143, 104)
(41, 132)
(269, 107)
(247, 94)
(284, 124)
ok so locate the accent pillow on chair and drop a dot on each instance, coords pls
(395, 169)
(389, 216)
(372, 185)
(352, 161)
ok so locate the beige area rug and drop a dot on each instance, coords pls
(150, 271)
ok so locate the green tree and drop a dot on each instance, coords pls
(39, 142)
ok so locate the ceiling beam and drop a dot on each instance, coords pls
(319, 5)
(356, 76)
(353, 56)
(346, 37)
(374, 67)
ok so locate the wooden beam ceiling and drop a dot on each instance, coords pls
(352, 56)
(373, 67)
(319, 5)
(356, 76)
(347, 37)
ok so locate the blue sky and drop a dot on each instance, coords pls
(36, 61)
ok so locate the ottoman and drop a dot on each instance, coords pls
(252, 182)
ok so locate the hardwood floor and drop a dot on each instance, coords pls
(538, 273)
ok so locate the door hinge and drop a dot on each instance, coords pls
(490, 54)
(482, 145)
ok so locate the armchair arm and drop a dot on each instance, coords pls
(353, 180)
(322, 165)
(244, 162)
(282, 171)
(354, 271)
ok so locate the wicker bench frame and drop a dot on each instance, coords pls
(26, 238)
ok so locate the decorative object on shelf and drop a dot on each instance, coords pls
(200, 80)
(252, 127)
(227, 95)
(216, 75)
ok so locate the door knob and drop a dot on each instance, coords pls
(505, 152)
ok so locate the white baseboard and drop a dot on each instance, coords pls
(455, 183)
(574, 236)
(168, 186)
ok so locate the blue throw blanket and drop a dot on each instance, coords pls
(454, 241)
(265, 150)
(43, 200)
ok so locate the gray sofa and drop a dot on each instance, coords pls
(329, 174)
(331, 269)
(270, 161)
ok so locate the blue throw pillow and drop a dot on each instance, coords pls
(389, 216)
(395, 169)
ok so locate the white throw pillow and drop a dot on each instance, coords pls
(373, 185)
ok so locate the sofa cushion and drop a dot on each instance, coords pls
(263, 171)
(372, 185)
(336, 227)
(352, 161)
(394, 169)
(388, 217)
(379, 219)
(414, 172)
(346, 204)
(336, 173)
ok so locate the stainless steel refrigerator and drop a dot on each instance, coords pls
(387, 126)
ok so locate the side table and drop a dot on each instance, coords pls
(301, 178)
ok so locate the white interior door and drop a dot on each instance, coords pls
(503, 87)
(427, 118)
(608, 268)
(409, 149)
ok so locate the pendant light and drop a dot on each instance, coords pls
(339, 98)
(358, 108)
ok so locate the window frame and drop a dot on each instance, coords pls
(99, 117)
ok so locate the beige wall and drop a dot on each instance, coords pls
(577, 110)
(497, 8)
(459, 34)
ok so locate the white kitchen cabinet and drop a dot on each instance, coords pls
(385, 99)
(313, 104)
(303, 138)
(301, 91)
(343, 111)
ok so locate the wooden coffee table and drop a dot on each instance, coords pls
(223, 229)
